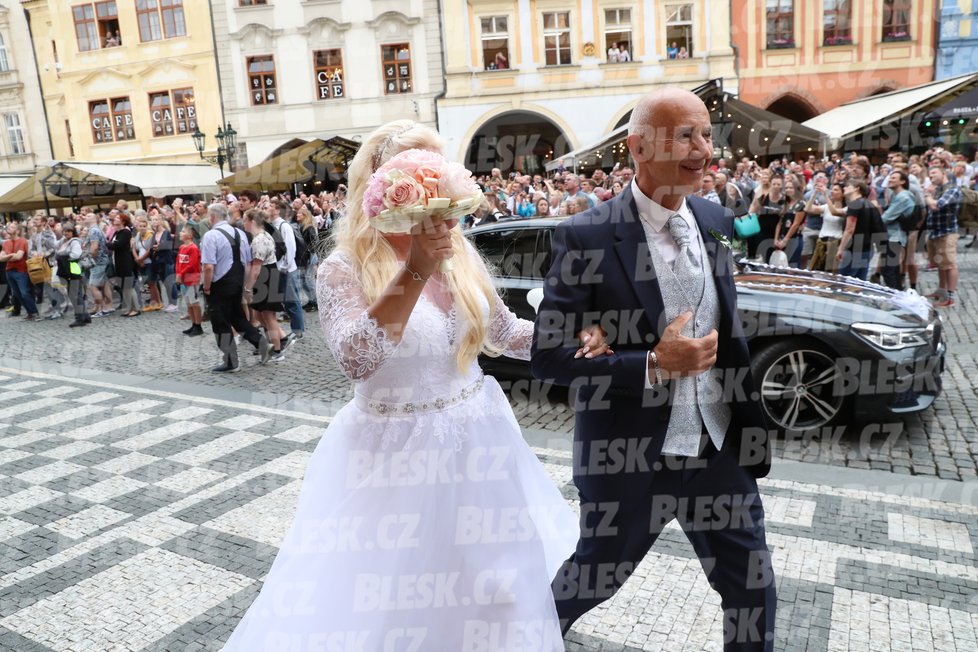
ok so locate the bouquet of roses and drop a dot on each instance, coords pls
(415, 185)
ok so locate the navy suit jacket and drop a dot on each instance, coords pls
(602, 273)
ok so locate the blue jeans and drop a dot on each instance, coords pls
(293, 306)
(20, 285)
(857, 264)
(307, 287)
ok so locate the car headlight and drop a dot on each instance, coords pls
(892, 338)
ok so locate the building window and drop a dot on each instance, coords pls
(97, 25)
(115, 125)
(251, 3)
(837, 22)
(4, 62)
(85, 29)
(896, 20)
(122, 119)
(173, 20)
(14, 133)
(261, 80)
(173, 112)
(780, 24)
(556, 38)
(679, 31)
(107, 17)
(397, 68)
(160, 19)
(618, 34)
(495, 42)
(329, 73)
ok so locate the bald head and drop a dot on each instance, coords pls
(670, 138)
(670, 99)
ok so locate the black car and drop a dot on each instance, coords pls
(825, 348)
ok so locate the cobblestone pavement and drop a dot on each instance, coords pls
(939, 442)
(135, 517)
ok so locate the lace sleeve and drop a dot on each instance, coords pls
(358, 343)
(510, 333)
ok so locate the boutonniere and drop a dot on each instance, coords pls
(722, 239)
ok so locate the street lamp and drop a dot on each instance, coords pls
(227, 142)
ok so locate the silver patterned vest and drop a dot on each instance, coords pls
(696, 401)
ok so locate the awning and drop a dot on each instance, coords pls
(599, 154)
(63, 184)
(158, 180)
(10, 181)
(317, 160)
(741, 128)
(854, 118)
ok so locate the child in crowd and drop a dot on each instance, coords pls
(188, 276)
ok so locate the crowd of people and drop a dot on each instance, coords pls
(841, 215)
(96, 263)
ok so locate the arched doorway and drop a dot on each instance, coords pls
(793, 107)
(516, 140)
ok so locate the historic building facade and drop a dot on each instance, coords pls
(529, 80)
(958, 46)
(310, 69)
(801, 58)
(126, 81)
(24, 139)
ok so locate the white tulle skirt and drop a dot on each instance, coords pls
(435, 529)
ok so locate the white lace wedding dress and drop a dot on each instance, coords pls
(425, 522)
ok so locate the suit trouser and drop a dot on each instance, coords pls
(719, 509)
(226, 313)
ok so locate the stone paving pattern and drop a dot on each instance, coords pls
(137, 519)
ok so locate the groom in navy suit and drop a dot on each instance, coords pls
(668, 426)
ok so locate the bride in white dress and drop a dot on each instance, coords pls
(425, 522)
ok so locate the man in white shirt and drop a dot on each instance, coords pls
(288, 269)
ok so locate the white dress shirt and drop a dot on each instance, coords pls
(654, 217)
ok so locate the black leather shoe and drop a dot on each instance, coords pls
(76, 324)
(226, 369)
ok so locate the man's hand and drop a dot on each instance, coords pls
(680, 356)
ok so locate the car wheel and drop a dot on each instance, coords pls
(798, 381)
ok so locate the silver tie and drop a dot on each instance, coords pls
(686, 267)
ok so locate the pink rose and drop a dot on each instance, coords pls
(402, 193)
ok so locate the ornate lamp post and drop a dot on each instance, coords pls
(227, 142)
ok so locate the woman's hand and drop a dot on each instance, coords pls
(431, 243)
(593, 342)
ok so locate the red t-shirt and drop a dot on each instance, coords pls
(188, 264)
(12, 247)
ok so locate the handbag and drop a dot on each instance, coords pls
(747, 226)
(39, 270)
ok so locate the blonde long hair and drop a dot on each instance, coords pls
(375, 261)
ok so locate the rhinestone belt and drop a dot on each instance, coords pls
(385, 409)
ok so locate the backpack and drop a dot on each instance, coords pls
(302, 253)
(913, 220)
(280, 249)
(968, 211)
